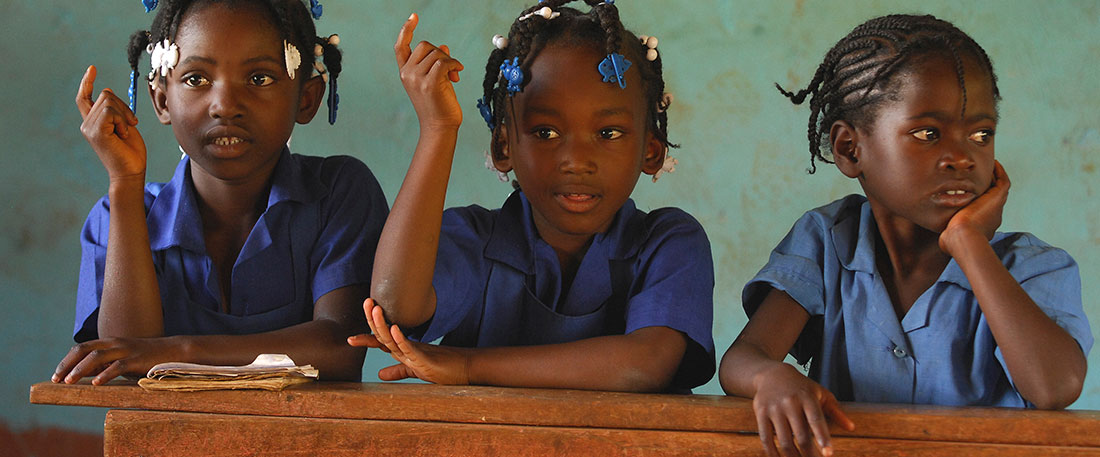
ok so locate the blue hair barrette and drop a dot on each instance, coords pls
(131, 90)
(486, 111)
(513, 74)
(612, 68)
(315, 8)
(150, 5)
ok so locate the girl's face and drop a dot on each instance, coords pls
(229, 100)
(921, 161)
(577, 144)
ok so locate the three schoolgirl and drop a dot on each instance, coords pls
(907, 294)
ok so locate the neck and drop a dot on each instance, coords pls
(907, 249)
(231, 202)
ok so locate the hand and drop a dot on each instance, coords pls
(428, 362)
(982, 216)
(790, 408)
(427, 73)
(109, 358)
(109, 127)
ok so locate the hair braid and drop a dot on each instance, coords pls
(843, 86)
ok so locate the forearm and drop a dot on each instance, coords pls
(405, 260)
(743, 366)
(645, 360)
(1046, 364)
(321, 343)
(130, 305)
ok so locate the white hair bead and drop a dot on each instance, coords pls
(318, 50)
(643, 38)
(651, 55)
(651, 42)
(334, 39)
(500, 41)
(546, 12)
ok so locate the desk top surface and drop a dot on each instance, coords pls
(574, 408)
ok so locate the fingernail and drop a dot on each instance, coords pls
(411, 16)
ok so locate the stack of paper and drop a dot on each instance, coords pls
(268, 372)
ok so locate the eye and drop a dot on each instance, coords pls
(546, 133)
(262, 80)
(610, 133)
(194, 80)
(926, 134)
(982, 137)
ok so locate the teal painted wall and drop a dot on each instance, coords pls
(742, 165)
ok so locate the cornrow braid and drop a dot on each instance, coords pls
(600, 26)
(844, 85)
(291, 17)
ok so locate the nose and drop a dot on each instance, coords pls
(225, 102)
(577, 157)
(956, 157)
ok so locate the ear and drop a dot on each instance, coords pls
(846, 150)
(160, 102)
(498, 146)
(313, 90)
(654, 158)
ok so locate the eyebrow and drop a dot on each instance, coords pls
(210, 61)
(606, 112)
(944, 117)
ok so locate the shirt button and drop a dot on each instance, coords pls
(899, 352)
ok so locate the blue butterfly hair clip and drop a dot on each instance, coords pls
(513, 74)
(612, 68)
(315, 8)
(150, 5)
(486, 111)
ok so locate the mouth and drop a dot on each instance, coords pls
(954, 198)
(577, 202)
(227, 141)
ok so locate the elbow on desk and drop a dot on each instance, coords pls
(1058, 396)
(400, 308)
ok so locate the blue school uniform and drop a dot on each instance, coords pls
(941, 351)
(498, 284)
(318, 234)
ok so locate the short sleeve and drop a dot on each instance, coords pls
(795, 267)
(352, 217)
(93, 254)
(1051, 278)
(461, 269)
(676, 290)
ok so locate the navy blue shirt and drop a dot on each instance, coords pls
(318, 234)
(498, 284)
(942, 351)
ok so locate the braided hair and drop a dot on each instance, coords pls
(601, 27)
(844, 85)
(291, 17)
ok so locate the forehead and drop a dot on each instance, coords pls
(564, 77)
(931, 84)
(226, 25)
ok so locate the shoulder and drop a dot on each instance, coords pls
(824, 218)
(662, 233)
(1026, 256)
(335, 170)
(472, 220)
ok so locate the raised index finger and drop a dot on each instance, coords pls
(84, 100)
(401, 48)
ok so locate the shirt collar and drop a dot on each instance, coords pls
(855, 249)
(174, 218)
(515, 228)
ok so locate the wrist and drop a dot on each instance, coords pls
(768, 375)
(955, 240)
(122, 183)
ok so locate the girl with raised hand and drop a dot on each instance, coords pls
(249, 249)
(907, 294)
(567, 285)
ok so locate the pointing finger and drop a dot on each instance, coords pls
(84, 100)
(401, 48)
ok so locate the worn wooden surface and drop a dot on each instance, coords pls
(726, 422)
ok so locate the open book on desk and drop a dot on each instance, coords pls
(268, 372)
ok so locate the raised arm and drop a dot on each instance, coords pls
(130, 304)
(405, 261)
(790, 408)
(320, 342)
(1046, 363)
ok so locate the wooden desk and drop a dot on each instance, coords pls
(345, 419)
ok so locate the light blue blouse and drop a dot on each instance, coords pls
(941, 351)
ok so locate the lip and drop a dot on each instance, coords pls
(226, 141)
(577, 199)
(954, 194)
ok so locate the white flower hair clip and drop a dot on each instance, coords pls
(293, 58)
(651, 43)
(502, 176)
(163, 56)
(668, 166)
(545, 12)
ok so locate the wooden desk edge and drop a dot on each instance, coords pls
(570, 408)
